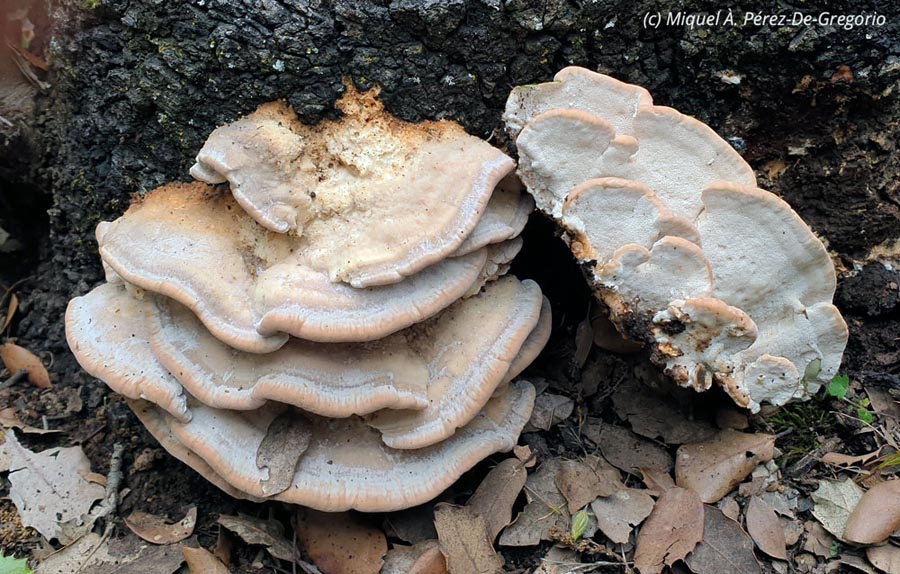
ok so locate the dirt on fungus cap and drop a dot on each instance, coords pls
(252, 287)
(340, 380)
(345, 466)
(375, 199)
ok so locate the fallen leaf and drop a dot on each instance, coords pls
(10, 312)
(581, 482)
(549, 411)
(340, 542)
(559, 561)
(412, 525)
(464, 539)
(13, 565)
(619, 513)
(765, 529)
(876, 516)
(818, 541)
(626, 450)
(546, 509)
(421, 558)
(713, 467)
(10, 419)
(652, 415)
(793, 530)
(495, 496)
(725, 547)
(656, 481)
(100, 555)
(672, 531)
(202, 561)
(268, 533)
(730, 507)
(839, 459)
(857, 563)
(17, 358)
(523, 453)
(834, 501)
(728, 418)
(224, 544)
(784, 502)
(886, 558)
(48, 490)
(158, 530)
(287, 438)
(584, 340)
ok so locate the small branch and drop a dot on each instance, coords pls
(16, 378)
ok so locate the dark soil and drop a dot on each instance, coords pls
(137, 86)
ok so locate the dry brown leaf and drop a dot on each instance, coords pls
(464, 539)
(876, 516)
(412, 525)
(421, 558)
(524, 454)
(857, 563)
(885, 405)
(713, 467)
(48, 491)
(581, 482)
(268, 533)
(287, 438)
(619, 513)
(656, 482)
(559, 561)
(93, 554)
(10, 312)
(584, 340)
(839, 459)
(549, 411)
(834, 501)
(10, 419)
(725, 547)
(673, 529)
(793, 530)
(546, 509)
(202, 561)
(730, 507)
(626, 450)
(818, 540)
(17, 358)
(765, 529)
(886, 558)
(728, 418)
(158, 530)
(652, 415)
(340, 542)
(224, 544)
(495, 496)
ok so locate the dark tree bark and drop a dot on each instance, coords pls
(137, 86)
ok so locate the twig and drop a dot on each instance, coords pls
(6, 122)
(107, 509)
(17, 377)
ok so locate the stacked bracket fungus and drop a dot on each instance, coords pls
(722, 280)
(332, 327)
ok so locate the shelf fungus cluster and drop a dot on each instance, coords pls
(331, 327)
(722, 280)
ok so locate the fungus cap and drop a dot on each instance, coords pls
(340, 380)
(466, 377)
(106, 332)
(345, 466)
(251, 287)
(339, 184)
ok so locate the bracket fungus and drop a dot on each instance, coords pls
(723, 281)
(334, 326)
